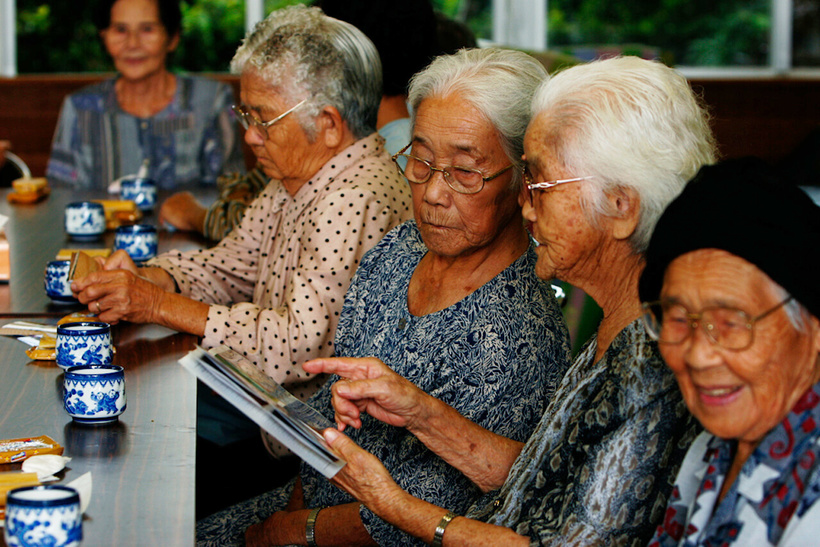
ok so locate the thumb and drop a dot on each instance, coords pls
(340, 443)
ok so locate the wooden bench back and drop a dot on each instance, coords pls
(762, 117)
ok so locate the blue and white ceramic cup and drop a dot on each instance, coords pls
(43, 515)
(94, 394)
(141, 191)
(84, 220)
(138, 240)
(56, 282)
(84, 343)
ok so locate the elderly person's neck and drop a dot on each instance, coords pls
(617, 295)
(148, 96)
(440, 280)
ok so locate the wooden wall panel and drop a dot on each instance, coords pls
(763, 117)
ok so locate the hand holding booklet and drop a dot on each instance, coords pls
(295, 424)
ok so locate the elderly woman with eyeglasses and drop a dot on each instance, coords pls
(733, 300)
(610, 144)
(273, 289)
(450, 301)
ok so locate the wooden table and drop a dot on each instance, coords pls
(143, 466)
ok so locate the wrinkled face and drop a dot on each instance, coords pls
(569, 246)
(137, 40)
(449, 131)
(738, 394)
(286, 154)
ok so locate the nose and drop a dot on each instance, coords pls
(527, 209)
(436, 189)
(701, 352)
(132, 38)
(253, 138)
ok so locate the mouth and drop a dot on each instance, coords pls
(718, 395)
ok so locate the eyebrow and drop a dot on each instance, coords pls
(472, 151)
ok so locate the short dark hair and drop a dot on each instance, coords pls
(404, 34)
(170, 15)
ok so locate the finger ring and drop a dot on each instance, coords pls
(99, 310)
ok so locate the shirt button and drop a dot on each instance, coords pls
(496, 504)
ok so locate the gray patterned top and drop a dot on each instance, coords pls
(496, 357)
(601, 464)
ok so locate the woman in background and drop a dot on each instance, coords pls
(182, 125)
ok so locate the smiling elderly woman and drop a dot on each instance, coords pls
(731, 273)
(449, 300)
(273, 289)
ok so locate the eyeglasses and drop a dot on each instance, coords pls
(463, 180)
(529, 185)
(251, 123)
(145, 32)
(729, 328)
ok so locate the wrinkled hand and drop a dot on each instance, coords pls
(118, 293)
(370, 386)
(183, 212)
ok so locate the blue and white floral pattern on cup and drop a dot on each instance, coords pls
(56, 282)
(94, 394)
(141, 191)
(84, 343)
(84, 220)
(138, 240)
(43, 515)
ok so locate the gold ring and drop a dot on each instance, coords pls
(99, 310)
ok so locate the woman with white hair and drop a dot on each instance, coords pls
(610, 143)
(449, 300)
(273, 288)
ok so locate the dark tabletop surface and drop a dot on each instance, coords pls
(142, 466)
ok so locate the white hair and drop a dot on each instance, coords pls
(499, 83)
(628, 123)
(304, 52)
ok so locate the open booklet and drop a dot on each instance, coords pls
(293, 423)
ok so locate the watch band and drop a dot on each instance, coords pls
(310, 527)
(438, 536)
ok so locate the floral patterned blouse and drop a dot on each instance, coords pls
(773, 500)
(600, 465)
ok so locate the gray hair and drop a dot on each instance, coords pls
(310, 55)
(628, 123)
(499, 83)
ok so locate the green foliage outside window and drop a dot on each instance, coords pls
(60, 36)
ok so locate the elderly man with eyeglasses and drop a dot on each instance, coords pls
(273, 289)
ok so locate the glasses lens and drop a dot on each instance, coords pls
(464, 180)
(652, 320)
(415, 170)
(729, 328)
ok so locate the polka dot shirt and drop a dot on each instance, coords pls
(276, 283)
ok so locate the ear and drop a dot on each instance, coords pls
(332, 129)
(173, 42)
(627, 204)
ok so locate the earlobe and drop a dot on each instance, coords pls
(330, 126)
(173, 43)
(627, 204)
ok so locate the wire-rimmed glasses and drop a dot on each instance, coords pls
(728, 328)
(464, 180)
(529, 185)
(250, 122)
